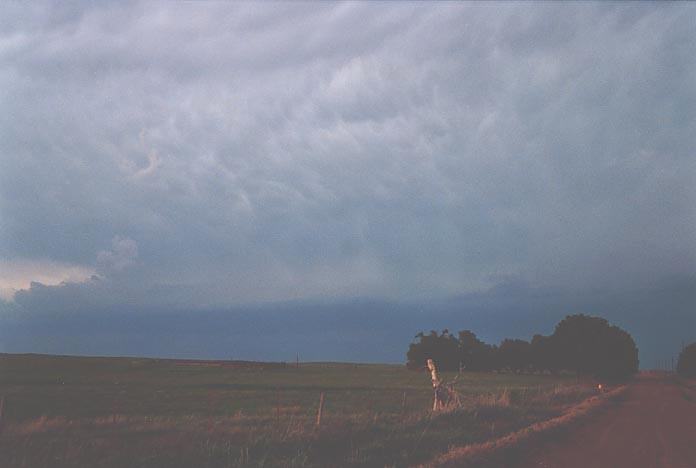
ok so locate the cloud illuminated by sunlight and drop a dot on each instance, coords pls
(16, 275)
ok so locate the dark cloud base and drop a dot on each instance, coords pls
(360, 330)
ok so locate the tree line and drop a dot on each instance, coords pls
(580, 343)
(686, 365)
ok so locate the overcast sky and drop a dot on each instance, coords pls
(197, 158)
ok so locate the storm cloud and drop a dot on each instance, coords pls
(203, 157)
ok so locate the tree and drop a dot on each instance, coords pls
(580, 343)
(442, 348)
(590, 345)
(541, 354)
(514, 355)
(686, 365)
(474, 354)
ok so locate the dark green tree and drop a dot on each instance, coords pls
(590, 345)
(514, 355)
(580, 343)
(542, 357)
(443, 348)
(686, 365)
(474, 354)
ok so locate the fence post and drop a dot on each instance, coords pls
(277, 406)
(321, 409)
(2, 411)
(435, 379)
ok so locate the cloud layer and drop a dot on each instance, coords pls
(203, 156)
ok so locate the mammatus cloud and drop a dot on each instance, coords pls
(141, 169)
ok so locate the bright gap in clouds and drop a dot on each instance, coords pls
(17, 275)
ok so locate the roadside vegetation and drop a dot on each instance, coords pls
(113, 412)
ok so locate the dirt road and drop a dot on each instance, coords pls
(653, 427)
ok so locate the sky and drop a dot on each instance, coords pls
(257, 180)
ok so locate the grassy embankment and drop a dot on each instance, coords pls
(109, 412)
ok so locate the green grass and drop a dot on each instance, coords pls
(75, 411)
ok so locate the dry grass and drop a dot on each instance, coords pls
(476, 454)
(294, 440)
(65, 412)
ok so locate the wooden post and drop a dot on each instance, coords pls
(435, 379)
(277, 406)
(2, 410)
(403, 402)
(321, 409)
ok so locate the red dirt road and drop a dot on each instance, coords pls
(653, 427)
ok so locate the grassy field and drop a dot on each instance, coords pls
(133, 412)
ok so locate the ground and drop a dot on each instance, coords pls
(113, 412)
(654, 426)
